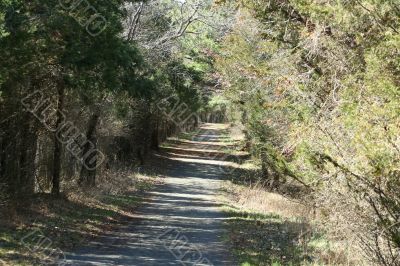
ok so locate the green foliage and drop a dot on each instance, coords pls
(317, 86)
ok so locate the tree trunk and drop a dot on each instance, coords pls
(88, 176)
(155, 143)
(18, 138)
(139, 153)
(57, 144)
(27, 153)
(163, 131)
(264, 165)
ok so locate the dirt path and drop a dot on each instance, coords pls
(182, 224)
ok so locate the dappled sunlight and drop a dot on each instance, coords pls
(192, 172)
(205, 161)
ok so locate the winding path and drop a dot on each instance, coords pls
(182, 223)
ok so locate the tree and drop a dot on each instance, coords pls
(317, 91)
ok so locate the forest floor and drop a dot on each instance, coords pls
(197, 202)
(181, 221)
(38, 230)
(166, 215)
(133, 218)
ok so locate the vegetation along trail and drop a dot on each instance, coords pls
(130, 128)
(181, 222)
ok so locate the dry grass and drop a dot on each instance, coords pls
(256, 198)
(267, 228)
(277, 227)
(70, 221)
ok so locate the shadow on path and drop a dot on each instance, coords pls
(181, 223)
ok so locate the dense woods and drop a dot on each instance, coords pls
(94, 75)
(317, 87)
(92, 86)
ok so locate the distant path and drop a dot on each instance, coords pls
(183, 208)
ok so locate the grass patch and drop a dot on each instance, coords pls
(270, 239)
(121, 201)
(267, 239)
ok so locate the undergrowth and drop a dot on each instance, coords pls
(44, 228)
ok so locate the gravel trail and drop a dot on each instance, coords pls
(181, 223)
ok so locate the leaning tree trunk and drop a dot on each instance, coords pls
(57, 144)
(269, 173)
(88, 174)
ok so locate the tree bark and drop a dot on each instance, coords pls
(27, 153)
(57, 144)
(88, 177)
(155, 143)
